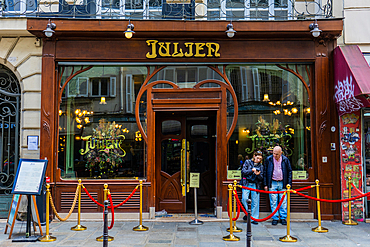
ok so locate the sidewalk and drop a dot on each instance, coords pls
(209, 234)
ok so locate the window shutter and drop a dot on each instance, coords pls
(112, 87)
(256, 84)
(83, 86)
(129, 94)
(243, 76)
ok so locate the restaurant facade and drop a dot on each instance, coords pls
(181, 97)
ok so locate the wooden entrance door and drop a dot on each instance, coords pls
(185, 142)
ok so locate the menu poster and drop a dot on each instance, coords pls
(29, 177)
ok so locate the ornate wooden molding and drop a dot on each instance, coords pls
(322, 128)
(46, 127)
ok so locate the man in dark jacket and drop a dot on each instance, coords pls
(252, 177)
(278, 173)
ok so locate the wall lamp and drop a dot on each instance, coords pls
(314, 27)
(130, 30)
(230, 32)
(49, 31)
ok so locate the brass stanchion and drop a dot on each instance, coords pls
(235, 228)
(319, 228)
(101, 238)
(79, 227)
(288, 238)
(47, 237)
(140, 227)
(350, 221)
(231, 236)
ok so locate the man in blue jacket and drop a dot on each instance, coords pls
(277, 174)
(252, 177)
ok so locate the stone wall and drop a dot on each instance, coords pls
(21, 52)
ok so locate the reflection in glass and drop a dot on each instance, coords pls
(199, 131)
(171, 127)
(171, 156)
(101, 141)
(186, 76)
(273, 108)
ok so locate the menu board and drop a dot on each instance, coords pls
(29, 177)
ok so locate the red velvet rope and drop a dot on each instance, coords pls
(274, 192)
(128, 198)
(87, 193)
(266, 218)
(115, 206)
(332, 201)
(112, 211)
(262, 191)
(228, 212)
(358, 191)
(305, 188)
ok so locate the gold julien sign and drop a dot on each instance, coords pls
(187, 49)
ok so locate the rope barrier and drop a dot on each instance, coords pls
(266, 218)
(70, 211)
(228, 213)
(359, 191)
(305, 188)
(331, 201)
(128, 198)
(115, 206)
(262, 191)
(112, 211)
(88, 194)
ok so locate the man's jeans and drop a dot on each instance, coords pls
(275, 199)
(255, 206)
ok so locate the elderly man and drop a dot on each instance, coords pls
(277, 174)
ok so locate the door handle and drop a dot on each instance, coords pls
(187, 167)
(183, 167)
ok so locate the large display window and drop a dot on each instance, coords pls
(274, 109)
(98, 134)
(99, 137)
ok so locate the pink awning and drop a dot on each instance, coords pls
(351, 78)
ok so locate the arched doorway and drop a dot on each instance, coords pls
(186, 132)
(10, 102)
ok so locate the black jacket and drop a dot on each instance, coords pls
(269, 168)
(248, 176)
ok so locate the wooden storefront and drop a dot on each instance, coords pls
(103, 41)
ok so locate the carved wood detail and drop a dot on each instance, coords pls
(46, 127)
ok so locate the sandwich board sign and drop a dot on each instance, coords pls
(28, 181)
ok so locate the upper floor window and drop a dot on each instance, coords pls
(94, 87)
(172, 9)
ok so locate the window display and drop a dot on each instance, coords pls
(98, 134)
(274, 110)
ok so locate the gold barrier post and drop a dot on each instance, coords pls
(319, 228)
(47, 237)
(78, 227)
(101, 238)
(231, 236)
(140, 227)
(288, 238)
(235, 228)
(350, 221)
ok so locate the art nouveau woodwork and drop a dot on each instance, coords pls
(270, 41)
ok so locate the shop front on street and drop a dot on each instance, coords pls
(181, 97)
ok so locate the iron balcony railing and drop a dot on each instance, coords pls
(169, 9)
